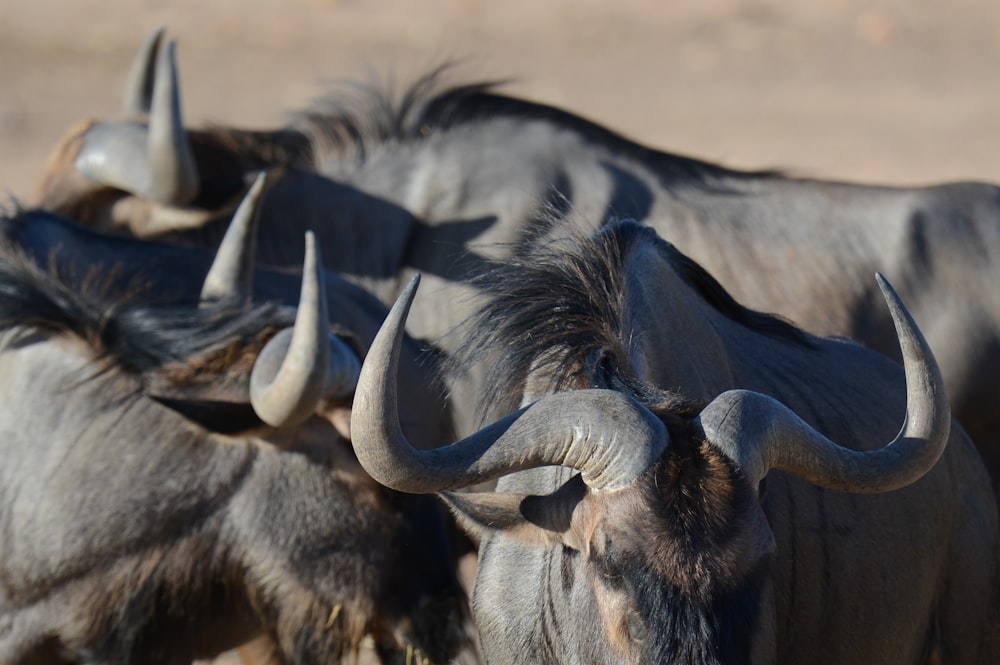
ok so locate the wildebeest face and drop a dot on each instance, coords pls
(685, 545)
(658, 550)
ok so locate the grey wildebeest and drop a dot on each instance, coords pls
(447, 181)
(176, 476)
(185, 271)
(732, 504)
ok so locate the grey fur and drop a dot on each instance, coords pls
(820, 577)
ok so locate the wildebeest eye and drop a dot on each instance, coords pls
(635, 626)
(611, 577)
(608, 566)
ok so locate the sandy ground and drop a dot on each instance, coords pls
(895, 92)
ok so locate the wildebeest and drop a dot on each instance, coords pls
(176, 477)
(448, 180)
(709, 524)
(183, 271)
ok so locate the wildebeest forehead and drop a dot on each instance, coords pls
(692, 519)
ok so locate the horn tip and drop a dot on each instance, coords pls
(247, 213)
(166, 62)
(139, 86)
(888, 291)
(396, 318)
(312, 266)
(411, 288)
(151, 45)
(311, 253)
(406, 296)
(157, 34)
(258, 182)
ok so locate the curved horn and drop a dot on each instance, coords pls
(231, 273)
(171, 161)
(155, 161)
(607, 436)
(293, 372)
(760, 433)
(139, 86)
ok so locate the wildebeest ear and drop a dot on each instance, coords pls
(529, 519)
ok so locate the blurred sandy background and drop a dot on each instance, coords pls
(895, 92)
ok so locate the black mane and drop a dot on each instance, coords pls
(568, 295)
(695, 629)
(133, 324)
(371, 114)
(695, 580)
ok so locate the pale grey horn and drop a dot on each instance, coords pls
(231, 274)
(138, 95)
(155, 161)
(607, 436)
(761, 434)
(293, 372)
(171, 160)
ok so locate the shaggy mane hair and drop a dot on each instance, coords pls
(128, 324)
(366, 115)
(568, 296)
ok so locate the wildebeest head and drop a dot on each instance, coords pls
(299, 538)
(671, 548)
(147, 173)
(300, 366)
(148, 176)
